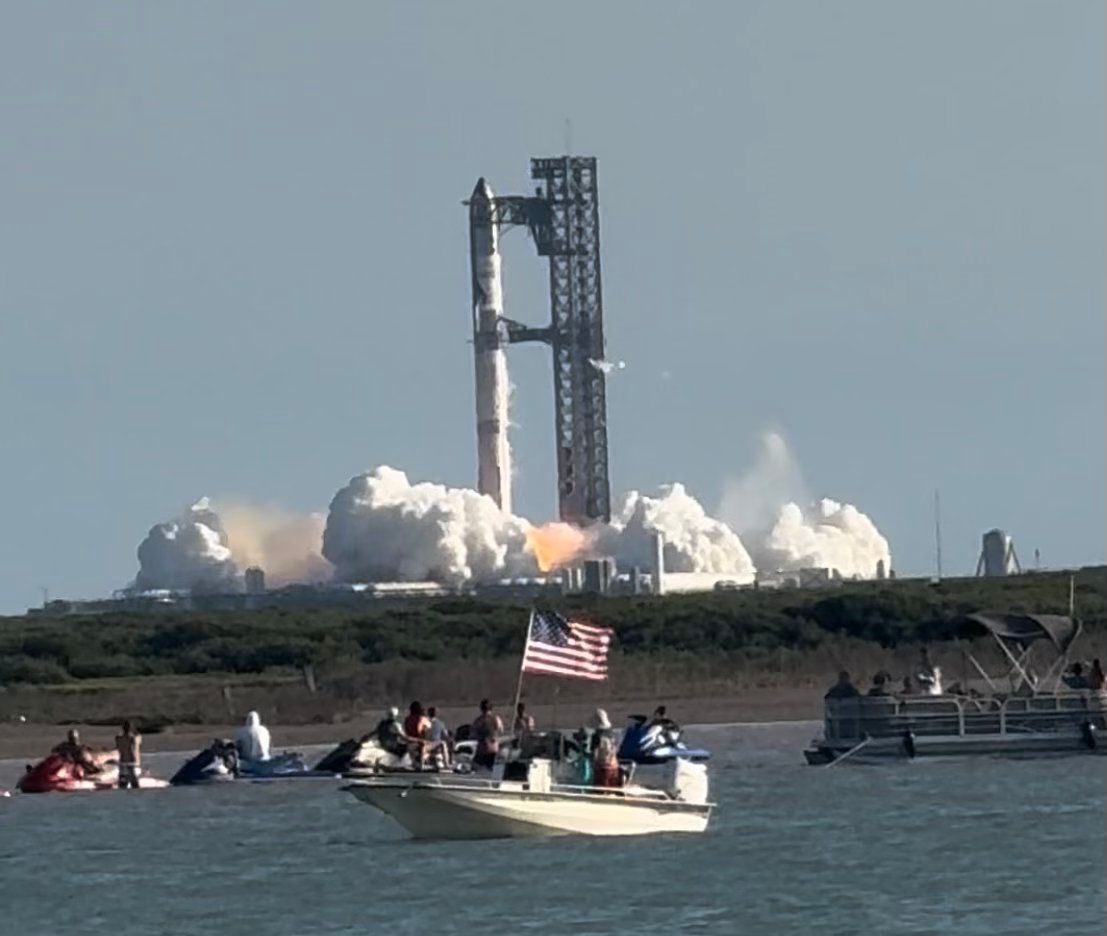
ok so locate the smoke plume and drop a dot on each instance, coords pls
(828, 535)
(694, 542)
(751, 502)
(188, 552)
(381, 527)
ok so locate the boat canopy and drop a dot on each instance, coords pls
(1026, 629)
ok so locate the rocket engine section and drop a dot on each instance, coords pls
(489, 339)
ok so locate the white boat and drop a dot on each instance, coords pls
(452, 806)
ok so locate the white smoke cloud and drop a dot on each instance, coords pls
(382, 527)
(694, 542)
(188, 552)
(828, 535)
(751, 502)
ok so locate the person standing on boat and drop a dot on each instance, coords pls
(605, 762)
(1097, 680)
(128, 747)
(486, 732)
(524, 723)
(252, 739)
(928, 676)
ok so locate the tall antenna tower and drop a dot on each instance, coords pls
(563, 218)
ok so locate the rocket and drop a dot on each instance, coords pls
(489, 339)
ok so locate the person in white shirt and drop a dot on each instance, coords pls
(439, 737)
(252, 739)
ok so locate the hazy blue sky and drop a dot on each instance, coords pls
(233, 259)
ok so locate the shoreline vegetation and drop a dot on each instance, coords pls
(748, 655)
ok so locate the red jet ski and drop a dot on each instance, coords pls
(58, 774)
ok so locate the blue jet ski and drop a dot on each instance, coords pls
(646, 742)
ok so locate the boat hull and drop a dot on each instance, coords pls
(1043, 744)
(434, 811)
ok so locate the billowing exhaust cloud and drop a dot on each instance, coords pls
(764, 506)
(828, 535)
(382, 527)
(694, 542)
(188, 552)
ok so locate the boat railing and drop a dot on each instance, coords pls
(884, 716)
(470, 782)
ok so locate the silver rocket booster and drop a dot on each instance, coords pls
(493, 451)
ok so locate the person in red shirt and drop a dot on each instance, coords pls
(417, 729)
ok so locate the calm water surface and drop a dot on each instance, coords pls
(946, 847)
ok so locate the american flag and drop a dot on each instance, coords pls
(566, 648)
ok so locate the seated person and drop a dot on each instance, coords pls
(843, 688)
(252, 739)
(416, 728)
(390, 733)
(879, 686)
(78, 754)
(1075, 678)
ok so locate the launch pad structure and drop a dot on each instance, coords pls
(563, 220)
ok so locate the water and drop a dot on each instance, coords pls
(967, 847)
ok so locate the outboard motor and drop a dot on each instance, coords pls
(687, 782)
(217, 762)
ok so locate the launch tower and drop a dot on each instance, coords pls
(563, 219)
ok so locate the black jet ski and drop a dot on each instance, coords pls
(221, 762)
(216, 763)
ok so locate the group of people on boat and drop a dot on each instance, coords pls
(423, 736)
(926, 680)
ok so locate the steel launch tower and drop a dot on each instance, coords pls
(563, 219)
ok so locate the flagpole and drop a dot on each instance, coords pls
(522, 663)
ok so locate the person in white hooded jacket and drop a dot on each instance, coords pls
(252, 739)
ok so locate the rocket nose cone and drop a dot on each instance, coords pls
(482, 189)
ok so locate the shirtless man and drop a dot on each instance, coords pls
(486, 731)
(128, 746)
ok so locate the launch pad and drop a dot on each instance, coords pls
(563, 220)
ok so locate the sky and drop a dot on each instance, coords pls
(233, 257)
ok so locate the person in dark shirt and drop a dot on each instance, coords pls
(1075, 678)
(879, 686)
(390, 733)
(843, 688)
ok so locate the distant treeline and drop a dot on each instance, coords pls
(43, 650)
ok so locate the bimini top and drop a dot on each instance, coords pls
(1025, 629)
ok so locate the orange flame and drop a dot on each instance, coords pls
(556, 544)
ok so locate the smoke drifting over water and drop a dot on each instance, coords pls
(382, 527)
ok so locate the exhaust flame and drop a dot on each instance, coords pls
(556, 544)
